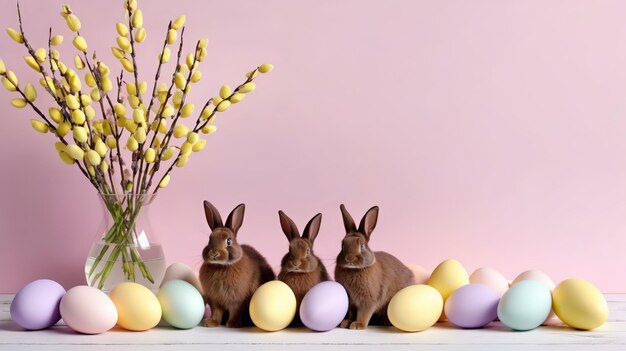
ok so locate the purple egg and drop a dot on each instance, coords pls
(472, 306)
(324, 306)
(36, 305)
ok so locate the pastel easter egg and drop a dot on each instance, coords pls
(448, 276)
(420, 273)
(181, 304)
(88, 310)
(137, 307)
(491, 278)
(544, 279)
(415, 308)
(580, 304)
(525, 305)
(324, 306)
(472, 306)
(180, 271)
(36, 305)
(273, 306)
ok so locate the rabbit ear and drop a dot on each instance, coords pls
(235, 218)
(348, 222)
(289, 227)
(368, 223)
(213, 217)
(312, 228)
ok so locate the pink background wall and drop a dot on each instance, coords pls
(493, 132)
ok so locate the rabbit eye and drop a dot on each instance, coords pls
(308, 251)
(229, 241)
(362, 247)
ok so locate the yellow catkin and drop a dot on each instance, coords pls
(165, 56)
(80, 134)
(85, 99)
(55, 114)
(143, 87)
(72, 102)
(15, 35)
(75, 152)
(252, 74)
(95, 94)
(196, 76)
(123, 43)
(225, 91)
(179, 22)
(186, 148)
(133, 101)
(190, 60)
(139, 116)
(30, 92)
(63, 128)
(193, 138)
(3, 68)
(137, 20)
(140, 135)
(248, 87)
(130, 125)
(206, 112)
(106, 84)
(199, 145)
(165, 181)
(266, 68)
(39, 126)
(121, 28)
(18, 103)
(187, 110)
(223, 106)
(237, 98)
(67, 159)
(78, 117)
(171, 36)
(111, 142)
(89, 80)
(93, 157)
(32, 63)
(131, 89)
(56, 40)
(41, 54)
(78, 62)
(101, 148)
(140, 36)
(182, 161)
(168, 111)
(149, 155)
(167, 154)
(180, 131)
(104, 166)
(127, 64)
(209, 129)
(203, 43)
(73, 23)
(132, 144)
(80, 43)
(118, 53)
(180, 81)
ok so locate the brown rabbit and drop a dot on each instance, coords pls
(230, 272)
(370, 278)
(300, 268)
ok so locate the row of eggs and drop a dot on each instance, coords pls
(466, 301)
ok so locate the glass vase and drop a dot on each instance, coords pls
(125, 248)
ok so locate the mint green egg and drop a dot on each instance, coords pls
(525, 305)
(181, 303)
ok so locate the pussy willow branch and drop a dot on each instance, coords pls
(157, 76)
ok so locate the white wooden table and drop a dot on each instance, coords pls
(611, 336)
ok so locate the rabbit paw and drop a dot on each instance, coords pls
(234, 323)
(345, 323)
(358, 326)
(210, 323)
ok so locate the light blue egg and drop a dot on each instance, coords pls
(525, 305)
(181, 303)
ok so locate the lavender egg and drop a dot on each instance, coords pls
(324, 306)
(36, 305)
(472, 306)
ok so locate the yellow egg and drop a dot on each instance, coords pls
(273, 306)
(415, 308)
(138, 309)
(448, 276)
(579, 304)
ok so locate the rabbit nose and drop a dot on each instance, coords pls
(349, 259)
(294, 264)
